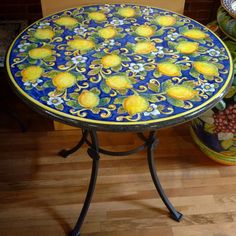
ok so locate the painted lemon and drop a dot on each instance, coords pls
(165, 20)
(97, 16)
(118, 82)
(66, 21)
(111, 61)
(40, 53)
(195, 34)
(144, 30)
(127, 12)
(88, 99)
(107, 33)
(181, 92)
(135, 104)
(44, 34)
(81, 44)
(187, 47)
(206, 68)
(169, 69)
(63, 80)
(31, 73)
(144, 47)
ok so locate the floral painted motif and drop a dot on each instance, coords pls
(55, 101)
(173, 36)
(79, 59)
(136, 67)
(153, 112)
(80, 30)
(207, 87)
(22, 47)
(213, 52)
(120, 63)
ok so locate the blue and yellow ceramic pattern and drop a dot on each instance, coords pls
(120, 65)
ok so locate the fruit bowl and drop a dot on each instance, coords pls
(229, 6)
(227, 23)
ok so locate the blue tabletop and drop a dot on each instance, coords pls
(119, 66)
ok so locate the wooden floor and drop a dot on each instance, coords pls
(41, 194)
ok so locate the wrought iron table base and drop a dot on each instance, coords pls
(93, 151)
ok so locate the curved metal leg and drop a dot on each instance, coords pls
(174, 214)
(94, 154)
(65, 153)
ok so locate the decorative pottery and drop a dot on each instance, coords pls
(215, 131)
(229, 6)
(227, 23)
(120, 67)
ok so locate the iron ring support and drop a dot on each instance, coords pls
(152, 142)
(94, 154)
(65, 153)
(123, 153)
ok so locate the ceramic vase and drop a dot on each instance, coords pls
(215, 131)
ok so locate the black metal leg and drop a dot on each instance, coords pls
(174, 214)
(65, 153)
(93, 152)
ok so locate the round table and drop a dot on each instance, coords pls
(119, 68)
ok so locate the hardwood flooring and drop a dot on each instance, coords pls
(42, 194)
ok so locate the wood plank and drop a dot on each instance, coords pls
(42, 194)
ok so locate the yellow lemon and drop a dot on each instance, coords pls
(44, 34)
(169, 69)
(127, 12)
(144, 48)
(144, 30)
(81, 44)
(97, 16)
(206, 68)
(187, 47)
(88, 99)
(135, 104)
(66, 21)
(118, 82)
(111, 61)
(181, 92)
(195, 34)
(107, 33)
(31, 73)
(166, 20)
(40, 53)
(63, 80)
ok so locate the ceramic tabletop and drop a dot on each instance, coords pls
(119, 67)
